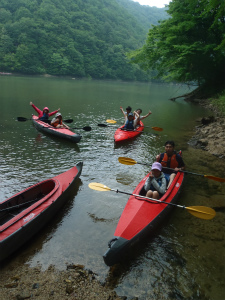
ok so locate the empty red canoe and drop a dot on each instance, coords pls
(25, 213)
(125, 135)
(139, 219)
(57, 132)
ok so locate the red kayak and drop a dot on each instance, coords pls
(122, 135)
(57, 132)
(139, 219)
(25, 213)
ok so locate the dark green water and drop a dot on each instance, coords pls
(185, 260)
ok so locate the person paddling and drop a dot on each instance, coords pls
(44, 114)
(171, 159)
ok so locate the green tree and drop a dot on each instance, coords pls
(189, 46)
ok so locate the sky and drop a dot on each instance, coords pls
(157, 3)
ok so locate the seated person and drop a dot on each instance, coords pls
(138, 117)
(44, 114)
(171, 159)
(155, 185)
(126, 113)
(129, 125)
(57, 122)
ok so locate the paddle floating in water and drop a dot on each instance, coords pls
(202, 212)
(130, 161)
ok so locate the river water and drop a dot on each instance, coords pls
(185, 258)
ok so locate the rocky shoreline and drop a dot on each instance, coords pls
(210, 133)
(75, 283)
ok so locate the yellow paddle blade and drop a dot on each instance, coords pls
(157, 128)
(127, 161)
(202, 212)
(98, 187)
(215, 178)
(111, 121)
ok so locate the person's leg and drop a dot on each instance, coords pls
(149, 194)
(172, 176)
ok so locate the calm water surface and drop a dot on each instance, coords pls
(185, 259)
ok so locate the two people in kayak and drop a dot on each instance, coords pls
(132, 120)
(44, 115)
(158, 182)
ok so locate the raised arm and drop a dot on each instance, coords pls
(148, 114)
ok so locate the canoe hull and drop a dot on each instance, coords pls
(139, 219)
(63, 133)
(21, 228)
(126, 135)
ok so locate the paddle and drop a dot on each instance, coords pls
(130, 161)
(105, 125)
(111, 121)
(201, 212)
(86, 128)
(22, 119)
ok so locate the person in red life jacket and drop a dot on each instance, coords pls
(44, 114)
(138, 117)
(129, 125)
(156, 184)
(57, 122)
(171, 159)
(126, 113)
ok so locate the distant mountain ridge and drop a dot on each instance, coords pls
(81, 38)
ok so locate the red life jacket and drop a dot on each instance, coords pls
(169, 162)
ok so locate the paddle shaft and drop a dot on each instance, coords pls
(147, 199)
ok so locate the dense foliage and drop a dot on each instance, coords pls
(82, 38)
(189, 46)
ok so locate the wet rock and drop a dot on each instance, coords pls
(207, 120)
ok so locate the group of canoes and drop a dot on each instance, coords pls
(24, 214)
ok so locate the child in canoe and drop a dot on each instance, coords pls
(57, 122)
(44, 114)
(126, 113)
(138, 117)
(156, 184)
(129, 124)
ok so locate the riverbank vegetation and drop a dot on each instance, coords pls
(189, 47)
(81, 38)
(219, 103)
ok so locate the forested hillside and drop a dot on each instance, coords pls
(81, 38)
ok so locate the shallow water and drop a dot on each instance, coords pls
(185, 258)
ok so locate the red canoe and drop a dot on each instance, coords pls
(124, 135)
(139, 219)
(57, 132)
(25, 213)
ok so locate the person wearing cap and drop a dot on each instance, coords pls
(126, 113)
(156, 184)
(171, 159)
(57, 121)
(138, 117)
(44, 114)
(129, 125)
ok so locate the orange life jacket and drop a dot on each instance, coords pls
(56, 122)
(169, 162)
